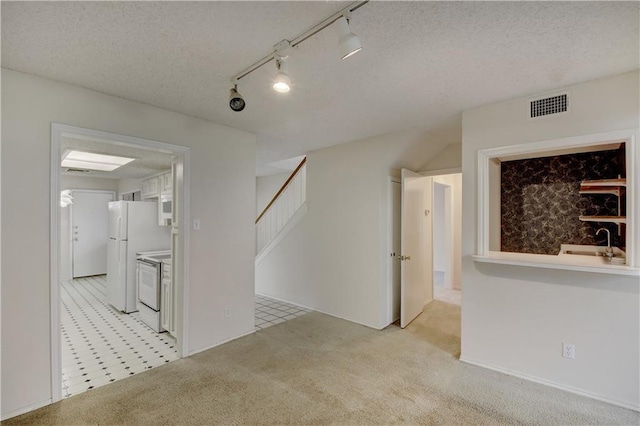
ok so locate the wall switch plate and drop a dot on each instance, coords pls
(227, 313)
(196, 224)
(569, 351)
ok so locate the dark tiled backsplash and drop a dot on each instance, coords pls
(541, 203)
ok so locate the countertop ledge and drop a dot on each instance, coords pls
(552, 262)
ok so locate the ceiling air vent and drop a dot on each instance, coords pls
(549, 106)
(70, 170)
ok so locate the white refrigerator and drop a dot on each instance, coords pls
(133, 227)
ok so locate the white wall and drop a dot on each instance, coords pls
(515, 318)
(439, 235)
(266, 188)
(335, 260)
(88, 182)
(221, 253)
(450, 157)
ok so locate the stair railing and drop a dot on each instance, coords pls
(289, 198)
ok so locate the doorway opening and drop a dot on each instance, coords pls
(104, 223)
(425, 220)
(447, 223)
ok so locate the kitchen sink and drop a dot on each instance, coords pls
(585, 253)
(575, 250)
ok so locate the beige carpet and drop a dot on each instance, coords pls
(317, 369)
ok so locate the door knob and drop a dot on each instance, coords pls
(407, 258)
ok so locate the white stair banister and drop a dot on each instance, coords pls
(284, 205)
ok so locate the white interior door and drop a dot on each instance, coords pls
(90, 232)
(416, 240)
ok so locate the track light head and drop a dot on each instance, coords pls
(236, 101)
(282, 82)
(349, 42)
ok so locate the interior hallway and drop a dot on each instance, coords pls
(318, 369)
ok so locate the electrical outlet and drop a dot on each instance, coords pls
(227, 313)
(569, 351)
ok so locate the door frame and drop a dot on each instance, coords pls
(71, 248)
(386, 306)
(57, 132)
(444, 172)
(390, 231)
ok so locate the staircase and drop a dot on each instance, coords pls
(282, 213)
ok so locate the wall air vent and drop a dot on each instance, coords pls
(70, 170)
(548, 106)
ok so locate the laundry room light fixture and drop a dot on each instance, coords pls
(66, 199)
(349, 44)
(92, 161)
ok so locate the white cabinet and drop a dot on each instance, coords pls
(160, 188)
(157, 185)
(167, 311)
(150, 188)
(166, 183)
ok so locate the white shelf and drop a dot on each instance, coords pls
(605, 186)
(605, 182)
(610, 219)
(614, 190)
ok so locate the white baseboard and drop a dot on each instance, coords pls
(293, 221)
(222, 342)
(577, 391)
(10, 414)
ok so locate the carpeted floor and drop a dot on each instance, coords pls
(317, 369)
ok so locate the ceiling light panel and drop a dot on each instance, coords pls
(92, 161)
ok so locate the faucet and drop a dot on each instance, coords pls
(608, 251)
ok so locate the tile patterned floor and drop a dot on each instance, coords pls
(271, 312)
(100, 344)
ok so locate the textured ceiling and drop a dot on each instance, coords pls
(146, 163)
(422, 63)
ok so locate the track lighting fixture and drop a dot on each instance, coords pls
(282, 82)
(236, 101)
(349, 42)
(349, 45)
